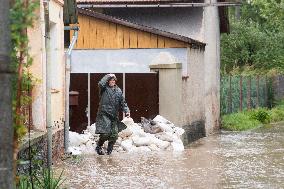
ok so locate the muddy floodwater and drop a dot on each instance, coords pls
(251, 159)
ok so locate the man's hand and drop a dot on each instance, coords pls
(127, 114)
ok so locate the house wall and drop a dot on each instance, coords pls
(57, 63)
(193, 109)
(99, 34)
(170, 91)
(183, 21)
(197, 23)
(212, 68)
(38, 68)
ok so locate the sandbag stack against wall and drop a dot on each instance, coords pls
(149, 135)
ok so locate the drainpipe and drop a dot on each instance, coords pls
(67, 82)
(48, 83)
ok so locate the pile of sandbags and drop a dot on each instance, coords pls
(149, 135)
(84, 143)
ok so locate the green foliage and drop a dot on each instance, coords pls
(239, 122)
(250, 119)
(22, 17)
(46, 180)
(277, 113)
(249, 49)
(260, 114)
(256, 42)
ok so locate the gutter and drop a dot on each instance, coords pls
(219, 4)
(67, 82)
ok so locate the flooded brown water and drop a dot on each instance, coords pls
(251, 159)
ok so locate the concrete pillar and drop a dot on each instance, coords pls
(170, 91)
(211, 67)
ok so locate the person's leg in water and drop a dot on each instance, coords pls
(100, 143)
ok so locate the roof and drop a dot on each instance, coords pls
(194, 43)
(131, 1)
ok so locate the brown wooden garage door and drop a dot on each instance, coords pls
(141, 92)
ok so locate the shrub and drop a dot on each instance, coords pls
(261, 115)
(239, 122)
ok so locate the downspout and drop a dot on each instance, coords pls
(48, 83)
(67, 82)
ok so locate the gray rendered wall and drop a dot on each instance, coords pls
(212, 68)
(193, 112)
(182, 21)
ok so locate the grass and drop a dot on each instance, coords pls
(254, 118)
(239, 122)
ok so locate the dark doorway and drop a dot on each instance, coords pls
(141, 93)
(78, 117)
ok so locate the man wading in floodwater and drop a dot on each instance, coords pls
(107, 121)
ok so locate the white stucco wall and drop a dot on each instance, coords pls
(38, 68)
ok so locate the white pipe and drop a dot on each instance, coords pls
(48, 84)
(89, 100)
(67, 86)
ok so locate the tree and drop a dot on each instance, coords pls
(6, 127)
(256, 41)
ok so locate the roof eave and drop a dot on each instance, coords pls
(193, 43)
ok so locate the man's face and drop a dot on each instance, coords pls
(111, 82)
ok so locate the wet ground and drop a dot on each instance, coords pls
(252, 159)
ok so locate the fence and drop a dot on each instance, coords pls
(239, 93)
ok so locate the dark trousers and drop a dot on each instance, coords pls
(111, 137)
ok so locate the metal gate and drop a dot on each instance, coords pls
(140, 89)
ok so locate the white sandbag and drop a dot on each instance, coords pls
(160, 143)
(76, 139)
(128, 121)
(127, 144)
(143, 149)
(141, 141)
(118, 141)
(165, 136)
(153, 147)
(178, 131)
(92, 129)
(88, 149)
(133, 149)
(125, 133)
(161, 119)
(119, 149)
(136, 130)
(165, 127)
(74, 150)
(91, 143)
(177, 145)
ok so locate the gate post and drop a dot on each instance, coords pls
(170, 91)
